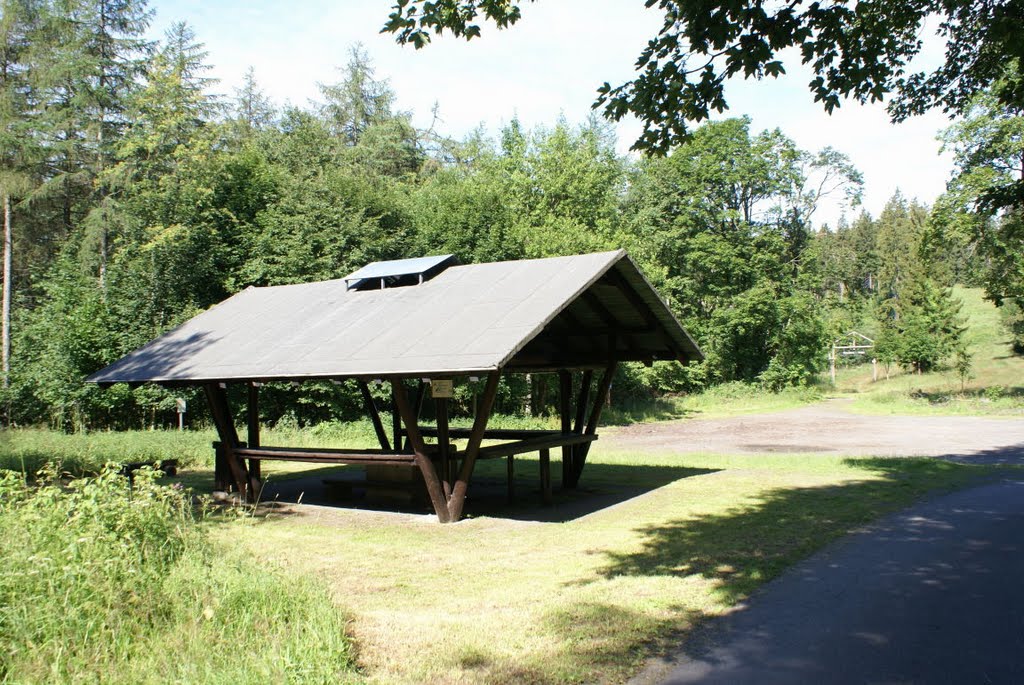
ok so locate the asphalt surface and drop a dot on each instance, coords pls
(934, 594)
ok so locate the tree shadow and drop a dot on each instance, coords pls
(989, 393)
(645, 410)
(1008, 455)
(742, 547)
(598, 642)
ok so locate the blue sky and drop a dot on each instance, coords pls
(548, 65)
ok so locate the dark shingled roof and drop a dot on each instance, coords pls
(538, 314)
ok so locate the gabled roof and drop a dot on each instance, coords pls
(539, 314)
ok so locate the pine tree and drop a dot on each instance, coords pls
(930, 328)
(358, 101)
(169, 110)
(252, 109)
(919, 318)
(89, 56)
(899, 233)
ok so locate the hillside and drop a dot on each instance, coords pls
(995, 384)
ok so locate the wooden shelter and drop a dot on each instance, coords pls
(423, 320)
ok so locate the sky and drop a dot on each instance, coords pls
(548, 65)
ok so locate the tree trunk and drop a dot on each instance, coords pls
(99, 148)
(5, 316)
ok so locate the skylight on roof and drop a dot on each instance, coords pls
(398, 272)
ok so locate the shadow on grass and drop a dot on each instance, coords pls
(645, 411)
(744, 547)
(1012, 392)
(599, 643)
(1010, 455)
(602, 486)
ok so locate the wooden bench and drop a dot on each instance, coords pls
(492, 433)
(326, 456)
(369, 458)
(169, 467)
(520, 442)
(542, 444)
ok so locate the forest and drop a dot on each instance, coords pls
(134, 198)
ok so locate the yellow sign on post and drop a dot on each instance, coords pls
(441, 389)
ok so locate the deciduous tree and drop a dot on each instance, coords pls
(856, 48)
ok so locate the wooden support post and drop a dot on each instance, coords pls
(221, 412)
(511, 478)
(371, 409)
(545, 476)
(581, 402)
(564, 408)
(221, 473)
(396, 422)
(415, 440)
(443, 443)
(458, 498)
(420, 391)
(569, 462)
(253, 434)
(595, 416)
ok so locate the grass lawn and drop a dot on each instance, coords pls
(496, 599)
(995, 386)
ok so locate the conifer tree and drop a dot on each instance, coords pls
(18, 149)
(358, 101)
(919, 318)
(90, 56)
(252, 109)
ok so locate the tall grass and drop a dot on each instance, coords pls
(100, 582)
(29, 449)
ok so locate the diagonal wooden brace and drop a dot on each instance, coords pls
(415, 438)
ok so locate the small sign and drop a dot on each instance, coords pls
(441, 389)
(180, 405)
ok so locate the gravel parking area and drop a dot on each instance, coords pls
(830, 428)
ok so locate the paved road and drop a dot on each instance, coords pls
(934, 594)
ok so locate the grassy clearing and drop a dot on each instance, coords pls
(995, 386)
(102, 584)
(497, 600)
(728, 399)
(734, 399)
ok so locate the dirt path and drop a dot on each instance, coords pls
(830, 428)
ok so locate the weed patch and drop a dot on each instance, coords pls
(103, 582)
